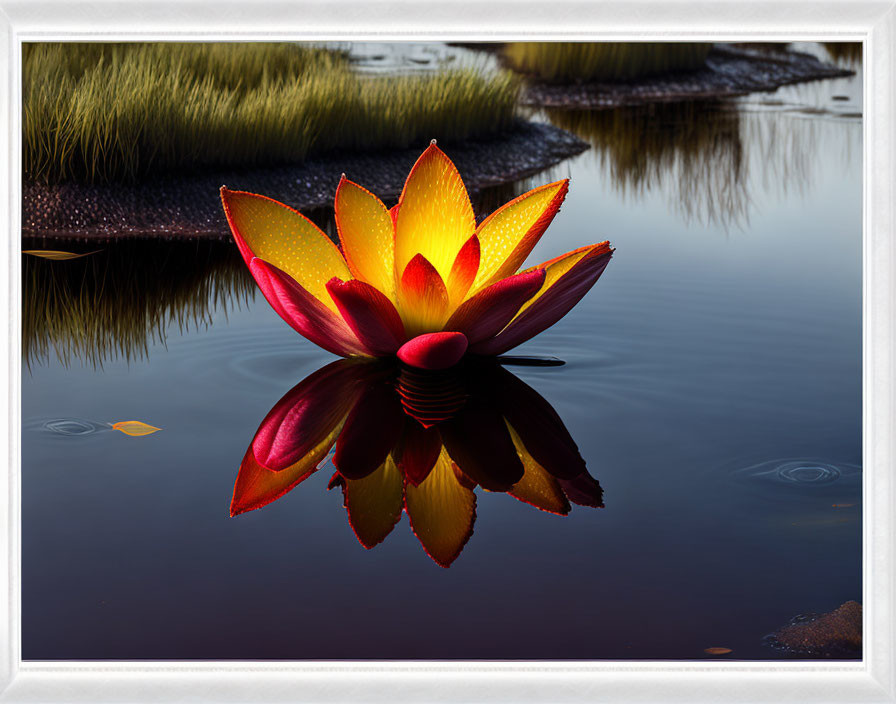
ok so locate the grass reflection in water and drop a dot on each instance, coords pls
(117, 302)
(713, 160)
(695, 148)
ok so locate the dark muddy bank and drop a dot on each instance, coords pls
(189, 206)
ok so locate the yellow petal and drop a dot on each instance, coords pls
(367, 236)
(135, 428)
(508, 235)
(57, 255)
(537, 487)
(442, 511)
(287, 239)
(374, 503)
(435, 217)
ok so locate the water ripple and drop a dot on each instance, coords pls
(804, 471)
(77, 427)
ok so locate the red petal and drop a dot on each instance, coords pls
(436, 350)
(371, 431)
(300, 430)
(584, 490)
(487, 313)
(308, 413)
(554, 301)
(417, 451)
(304, 312)
(463, 271)
(369, 314)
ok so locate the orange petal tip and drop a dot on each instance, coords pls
(433, 351)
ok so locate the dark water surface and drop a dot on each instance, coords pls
(712, 385)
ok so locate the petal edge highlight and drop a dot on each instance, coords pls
(270, 230)
(369, 314)
(568, 278)
(303, 312)
(487, 312)
(367, 237)
(509, 234)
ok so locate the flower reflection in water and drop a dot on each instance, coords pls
(419, 442)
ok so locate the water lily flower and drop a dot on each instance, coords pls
(421, 281)
(416, 442)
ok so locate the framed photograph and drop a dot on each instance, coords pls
(448, 352)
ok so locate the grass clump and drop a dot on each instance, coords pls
(567, 62)
(117, 112)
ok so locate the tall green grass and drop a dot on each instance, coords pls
(565, 62)
(107, 112)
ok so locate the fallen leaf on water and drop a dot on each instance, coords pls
(56, 255)
(842, 505)
(717, 651)
(135, 428)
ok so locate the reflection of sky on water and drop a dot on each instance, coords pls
(719, 163)
(707, 360)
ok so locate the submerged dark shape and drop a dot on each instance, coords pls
(419, 442)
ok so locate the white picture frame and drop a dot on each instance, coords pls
(872, 679)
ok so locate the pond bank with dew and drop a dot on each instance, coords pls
(187, 205)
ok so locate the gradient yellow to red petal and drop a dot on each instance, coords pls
(508, 235)
(281, 236)
(435, 217)
(422, 298)
(419, 268)
(463, 271)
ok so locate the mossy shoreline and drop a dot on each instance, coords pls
(729, 72)
(188, 206)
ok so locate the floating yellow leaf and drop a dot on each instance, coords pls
(135, 428)
(56, 255)
(717, 651)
